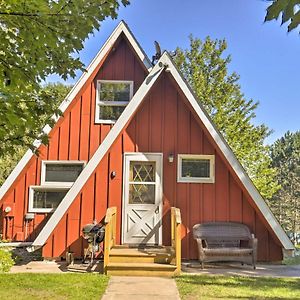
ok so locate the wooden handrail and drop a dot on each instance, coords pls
(176, 236)
(110, 233)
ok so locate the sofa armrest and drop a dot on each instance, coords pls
(199, 243)
(201, 254)
(253, 245)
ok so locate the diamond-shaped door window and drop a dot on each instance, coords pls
(141, 171)
(141, 193)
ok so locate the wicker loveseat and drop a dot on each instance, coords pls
(225, 241)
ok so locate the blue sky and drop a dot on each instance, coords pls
(263, 54)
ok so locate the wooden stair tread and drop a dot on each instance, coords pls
(146, 266)
(138, 252)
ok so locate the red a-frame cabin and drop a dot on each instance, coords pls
(132, 136)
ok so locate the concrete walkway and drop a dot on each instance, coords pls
(187, 267)
(141, 288)
(40, 267)
(264, 270)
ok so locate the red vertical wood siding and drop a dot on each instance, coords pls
(74, 137)
(164, 123)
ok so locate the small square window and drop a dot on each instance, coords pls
(196, 168)
(60, 173)
(111, 100)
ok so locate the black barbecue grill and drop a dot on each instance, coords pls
(94, 234)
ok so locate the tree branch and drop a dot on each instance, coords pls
(20, 14)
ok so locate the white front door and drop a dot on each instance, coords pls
(142, 198)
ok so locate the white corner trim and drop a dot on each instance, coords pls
(99, 154)
(229, 155)
(15, 244)
(15, 173)
(136, 46)
(121, 28)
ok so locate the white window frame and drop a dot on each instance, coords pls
(210, 179)
(55, 184)
(33, 188)
(100, 103)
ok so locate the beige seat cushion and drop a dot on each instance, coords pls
(227, 251)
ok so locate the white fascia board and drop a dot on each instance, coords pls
(15, 173)
(121, 28)
(21, 165)
(229, 155)
(125, 117)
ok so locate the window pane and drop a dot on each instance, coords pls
(141, 193)
(47, 199)
(110, 112)
(114, 91)
(196, 168)
(62, 172)
(142, 171)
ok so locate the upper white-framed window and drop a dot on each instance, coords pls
(196, 168)
(111, 99)
(45, 199)
(60, 173)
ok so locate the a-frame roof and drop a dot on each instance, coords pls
(122, 28)
(165, 63)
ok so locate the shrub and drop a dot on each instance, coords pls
(6, 260)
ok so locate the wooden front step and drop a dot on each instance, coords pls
(141, 261)
(144, 255)
(140, 269)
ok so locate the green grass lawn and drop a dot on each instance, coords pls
(52, 286)
(237, 287)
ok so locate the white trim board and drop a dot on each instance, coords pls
(121, 28)
(164, 63)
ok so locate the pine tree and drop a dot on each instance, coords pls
(206, 70)
(285, 153)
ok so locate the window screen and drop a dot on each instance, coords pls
(113, 96)
(195, 168)
(114, 91)
(47, 198)
(62, 172)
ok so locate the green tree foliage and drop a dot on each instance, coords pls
(288, 10)
(205, 68)
(54, 95)
(39, 38)
(285, 153)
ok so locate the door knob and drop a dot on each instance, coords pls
(157, 210)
